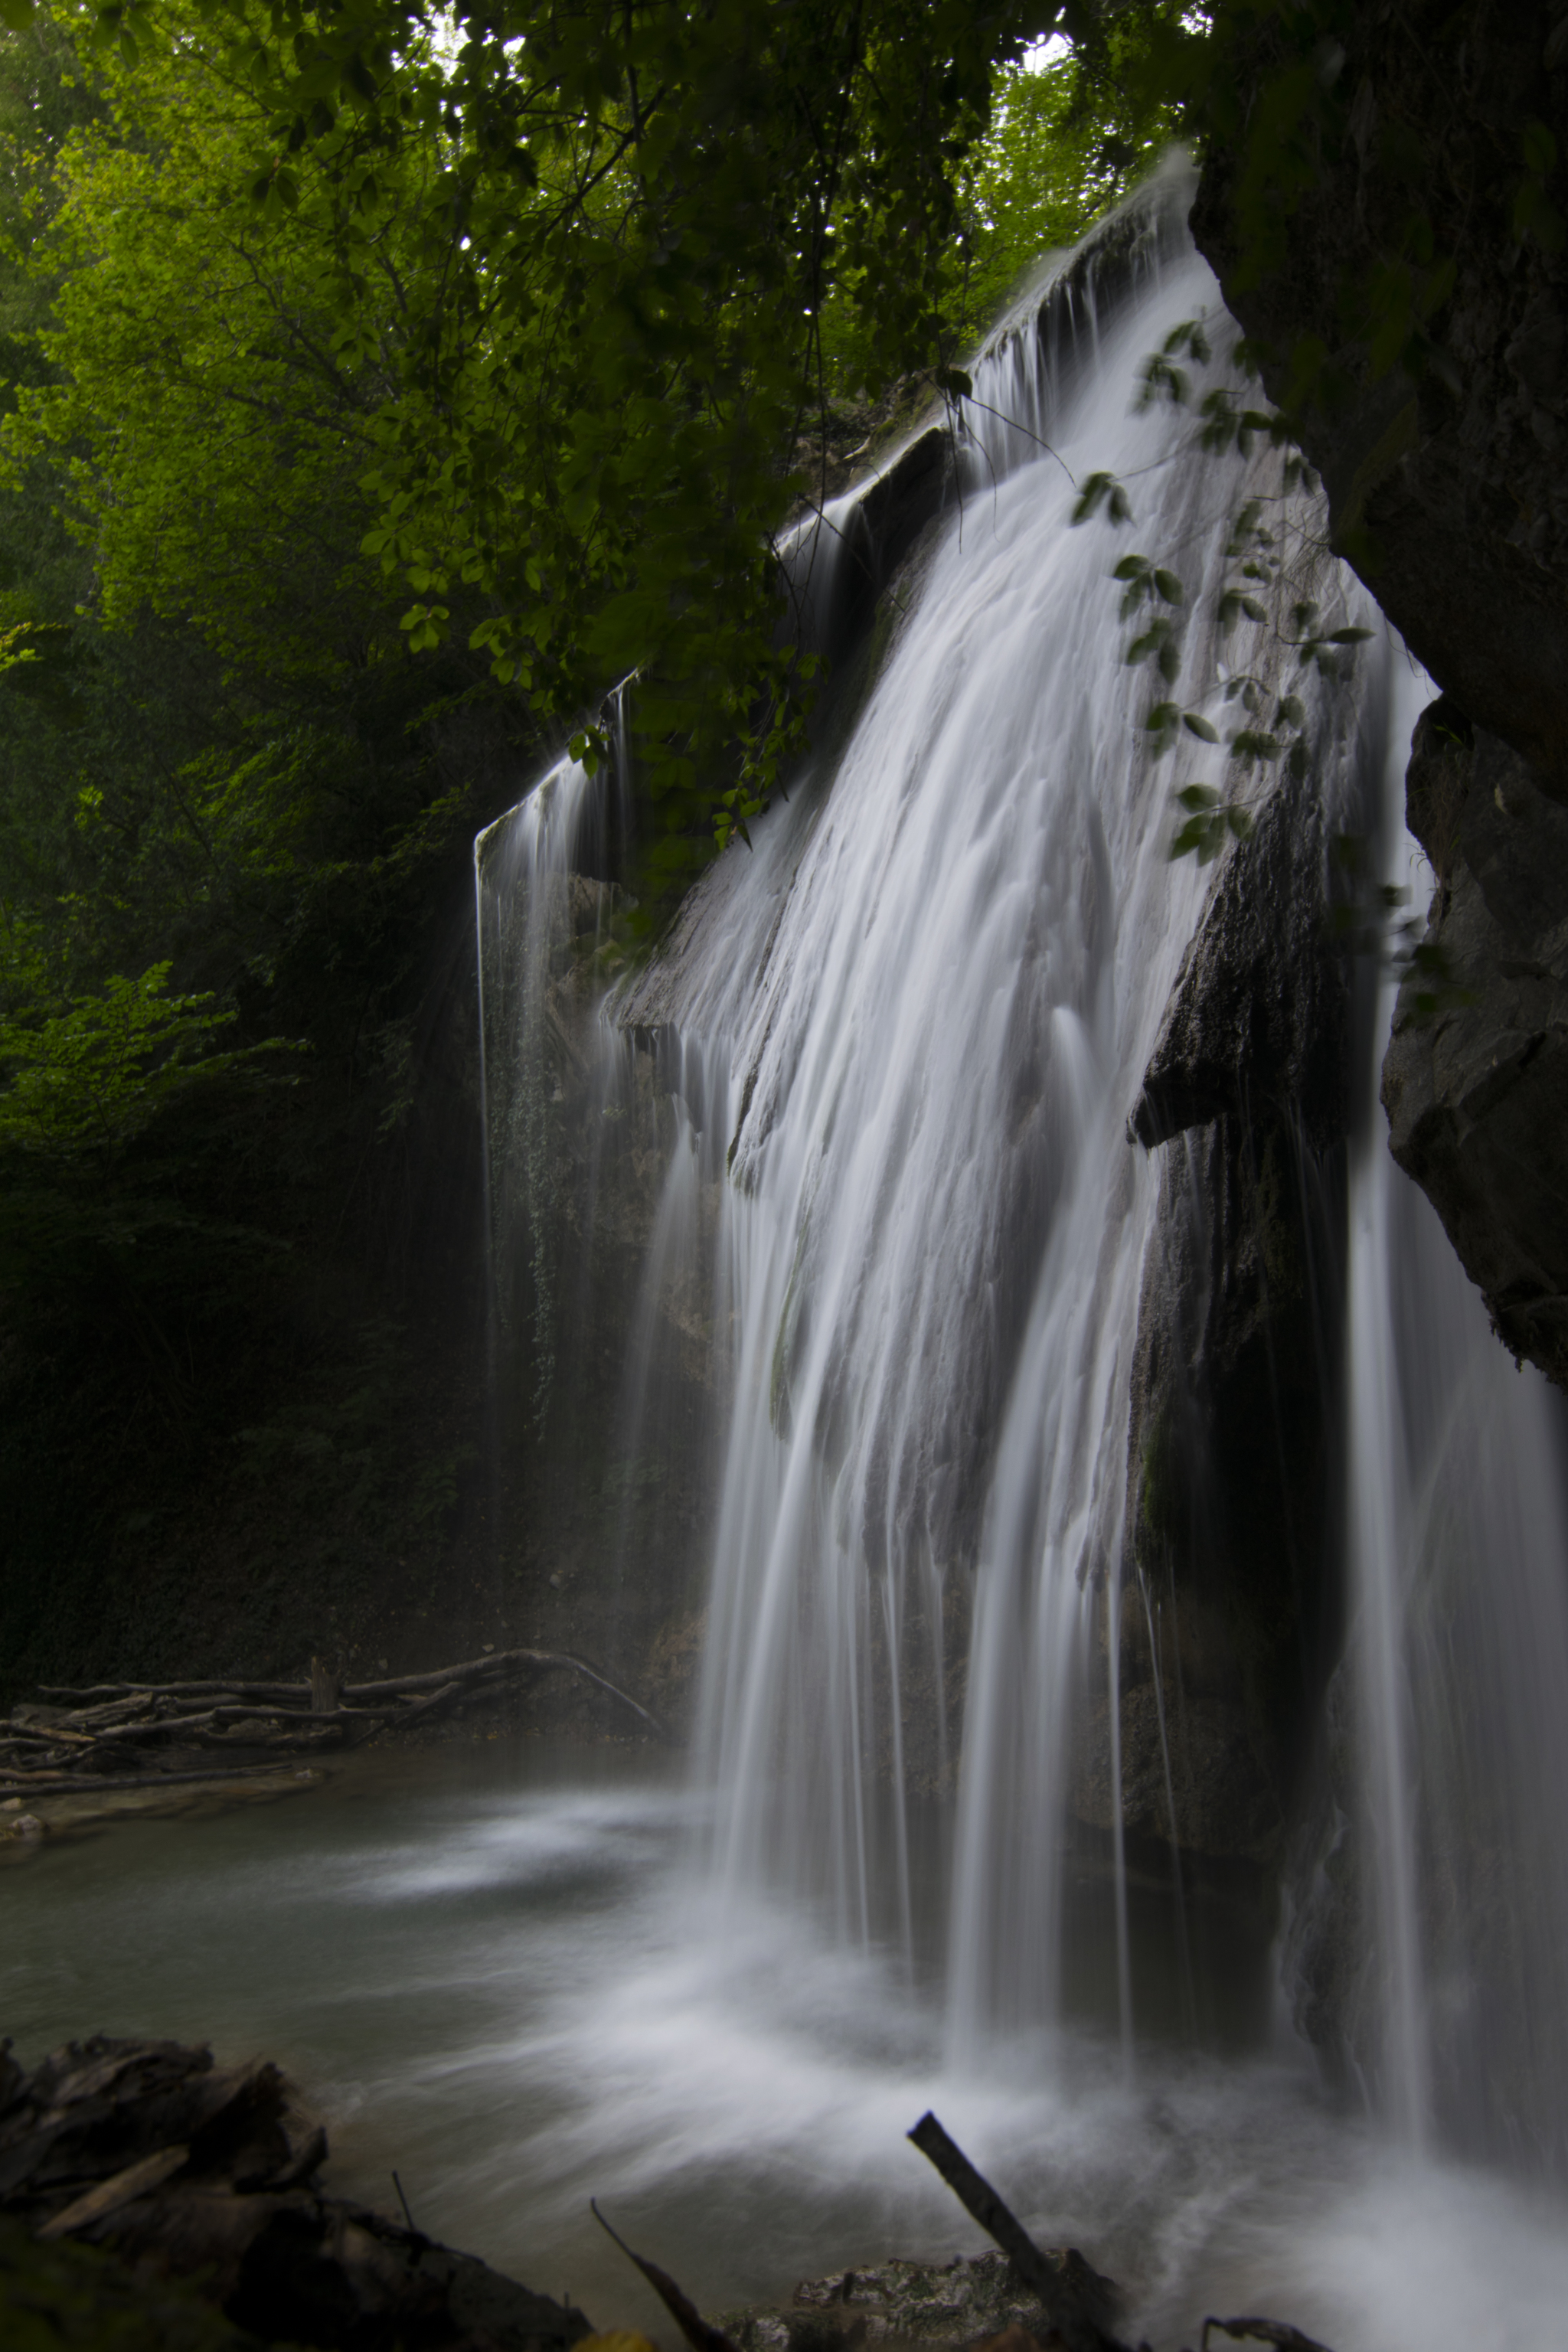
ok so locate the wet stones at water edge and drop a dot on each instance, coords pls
(182, 2171)
(968, 2301)
(972, 2304)
(1025, 2298)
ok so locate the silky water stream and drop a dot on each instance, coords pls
(901, 1039)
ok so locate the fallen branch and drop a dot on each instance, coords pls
(700, 2333)
(80, 1784)
(234, 1687)
(500, 1666)
(1078, 2301)
(100, 1737)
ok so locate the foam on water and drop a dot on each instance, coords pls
(495, 1968)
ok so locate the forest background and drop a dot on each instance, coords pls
(342, 474)
(379, 386)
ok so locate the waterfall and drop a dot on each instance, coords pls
(898, 1041)
(524, 888)
(931, 993)
(1459, 1544)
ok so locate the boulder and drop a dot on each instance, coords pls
(184, 2170)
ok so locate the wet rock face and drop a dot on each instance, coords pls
(1259, 1010)
(1448, 491)
(1476, 1079)
(1228, 1614)
(1447, 486)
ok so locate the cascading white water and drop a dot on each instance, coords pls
(902, 1035)
(1458, 1557)
(522, 866)
(926, 1002)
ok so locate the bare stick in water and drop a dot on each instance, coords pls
(681, 2309)
(1078, 2301)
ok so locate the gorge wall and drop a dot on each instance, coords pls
(1412, 313)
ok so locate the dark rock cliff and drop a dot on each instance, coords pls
(1417, 284)
(1233, 1619)
(1475, 1080)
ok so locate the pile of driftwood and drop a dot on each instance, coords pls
(146, 1735)
(183, 2170)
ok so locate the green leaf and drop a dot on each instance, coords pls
(1093, 492)
(1197, 725)
(1540, 148)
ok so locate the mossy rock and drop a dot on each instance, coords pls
(68, 2298)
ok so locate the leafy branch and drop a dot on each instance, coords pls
(94, 1075)
(1153, 595)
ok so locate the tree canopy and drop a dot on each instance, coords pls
(379, 385)
(376, 389)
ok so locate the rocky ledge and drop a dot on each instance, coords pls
(186, 2172)
(940, 2306)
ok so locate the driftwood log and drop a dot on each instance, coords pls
(184, 2169)
(1078, 2303)
(141, 1735)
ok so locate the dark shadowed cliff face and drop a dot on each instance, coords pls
(1419, 287)
(1476, 1079)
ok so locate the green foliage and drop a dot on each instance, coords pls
(1369, 918)
(234, 817)
(70, 2298)
(378, 385)
(1210, 823)
(577, 262)
(1260, 569)
(91, 1077)
(1047, 167)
